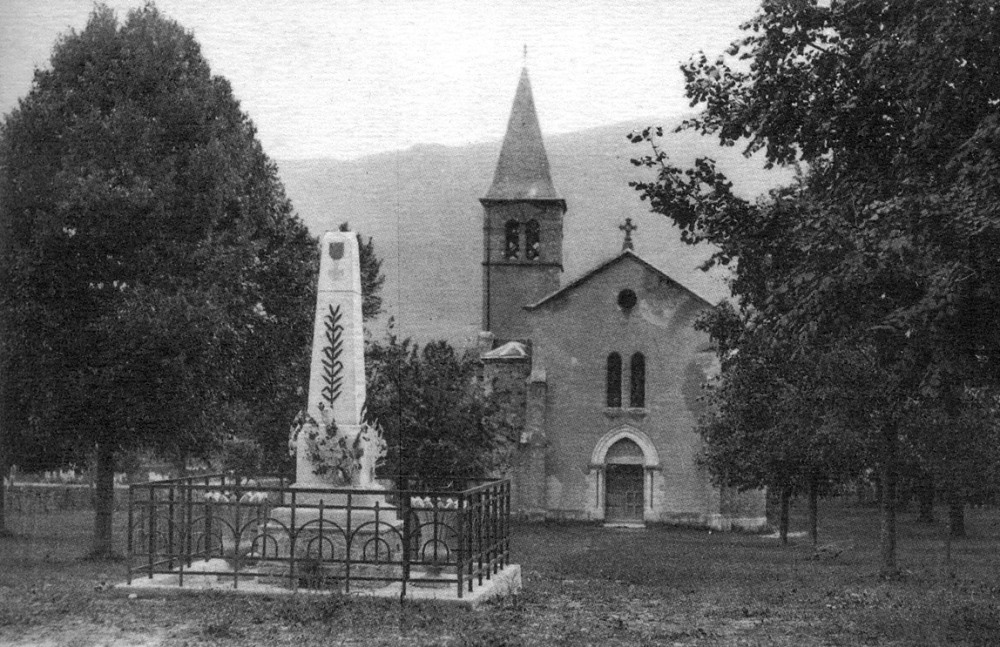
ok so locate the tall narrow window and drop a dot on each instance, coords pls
(512, 240)
(637, 394)
(532, 240)
(614, 377)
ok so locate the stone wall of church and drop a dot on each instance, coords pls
(572, 338)
(522, 399)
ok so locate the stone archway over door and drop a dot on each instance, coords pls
(624, 483)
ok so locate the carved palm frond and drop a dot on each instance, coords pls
(333, 368)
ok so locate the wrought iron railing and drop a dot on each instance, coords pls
(263, 529)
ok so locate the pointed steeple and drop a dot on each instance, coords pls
(523, 169)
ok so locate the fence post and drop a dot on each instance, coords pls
(320, 579)
(237, 536)
(171, 527)
(491, 498)
(188, 524)
(350, 544)
(506, 523)
(131, 520)
(207, 503)
(462, 507)
(491, 550)
(404, 507)
(152, 529)
(479, 537)
(293, 537)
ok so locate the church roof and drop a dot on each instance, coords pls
(523, 168)
(510, 350)
(628, 253)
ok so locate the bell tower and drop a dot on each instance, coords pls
(522, 225)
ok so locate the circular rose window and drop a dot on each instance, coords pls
(627, 299)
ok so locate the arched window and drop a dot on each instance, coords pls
(637, 394)
(532, 240)
(614, 377)
(512, 240)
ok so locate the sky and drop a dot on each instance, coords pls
(344, 79)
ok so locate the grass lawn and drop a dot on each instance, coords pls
(583, 585)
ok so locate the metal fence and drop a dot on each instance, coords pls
(265, 530)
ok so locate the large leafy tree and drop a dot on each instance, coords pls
(439, 422)
(786, 425)
(782, 417)
(157, 286)
(893, 106)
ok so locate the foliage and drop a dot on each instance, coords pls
(333, 454)
(789, 426)
(886, 247)
(242, 456)
(438, 422)
(155, 276)
(371, 276)
(959, 449)
(892, 229)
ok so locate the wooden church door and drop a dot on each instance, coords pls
(624, 483)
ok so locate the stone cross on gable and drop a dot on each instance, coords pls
(628, 228)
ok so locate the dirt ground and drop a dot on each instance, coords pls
(583, 585)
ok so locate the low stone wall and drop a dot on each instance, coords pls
(42, 498)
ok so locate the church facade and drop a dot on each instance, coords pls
(612, 362)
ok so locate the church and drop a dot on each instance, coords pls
(612, 363)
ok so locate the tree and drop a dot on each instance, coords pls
(959, 449)
(437, 420)
(892, 105)
(371, 276)
(786, 425)
(158, 287)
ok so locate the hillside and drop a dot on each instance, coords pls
(421, 207)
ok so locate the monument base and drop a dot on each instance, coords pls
(506, 582)
(336, 507)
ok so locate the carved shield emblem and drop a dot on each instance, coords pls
(336, 251)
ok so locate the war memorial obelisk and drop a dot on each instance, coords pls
(337, 396)
(337, 369)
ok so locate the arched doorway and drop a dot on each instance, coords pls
(624, 499)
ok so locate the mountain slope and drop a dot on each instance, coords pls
(421, 207)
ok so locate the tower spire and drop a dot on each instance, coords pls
(523, 168)
(522, 225)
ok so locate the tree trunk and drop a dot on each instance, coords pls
(814, 509)
(889, 475)
(5, 452)
(786, 498)
(956, 517)
(4, 473)
(104, 502)
(925, 498)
